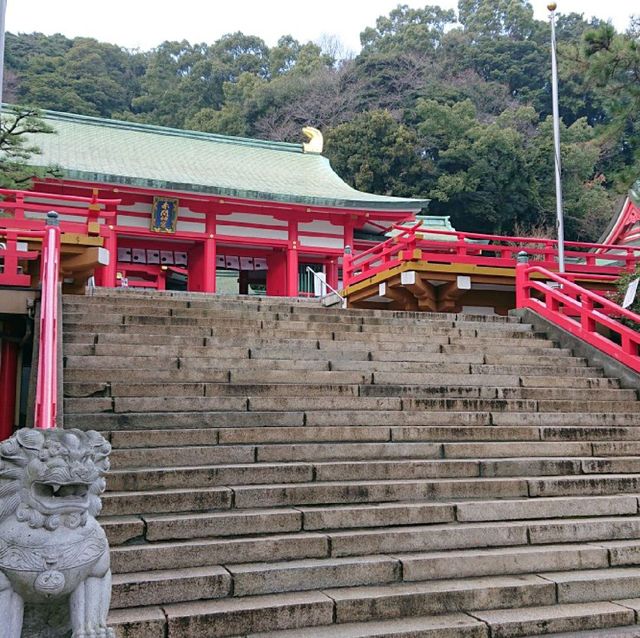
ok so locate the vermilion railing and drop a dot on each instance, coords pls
(47, 384)
(581, 312)
(452, 247)
(12, 253)
(75, 213)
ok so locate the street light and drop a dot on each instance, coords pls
(556, 137)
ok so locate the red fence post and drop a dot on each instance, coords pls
(522, 263)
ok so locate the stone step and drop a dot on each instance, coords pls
(540, 508)
(591, 417)
(484, 377)
(595, 433)
(490, 392)
(253, 579)
(632, 631)
(596, 584)
(187, 420)
(222, 419)
(216, 551)
(230, 305)
(190, 525)
(199, 389)
(324, 338)
(340, 403)
(170, 586)
(179, 473)
(238, 616)
(359, 604)
(442, 626)
(109, 322)
(462, 442)
(176, 542)
(509, 623)
(514, 433)
(338, 492)
(179, 456)
(358, 451)
(257, 374)
(124, 439)
(169, 477)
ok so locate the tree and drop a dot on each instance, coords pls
(15, 150)
(407, 29)
(614, 67)
(88, 77)
(375, 153)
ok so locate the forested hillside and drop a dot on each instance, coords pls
(454, 106)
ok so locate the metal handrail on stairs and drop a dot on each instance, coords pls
(343, 303)
(47, 383)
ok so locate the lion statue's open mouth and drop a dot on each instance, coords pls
(55, 497)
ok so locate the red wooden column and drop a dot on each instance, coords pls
(209, 258)
(331, 268)
(277, 273)
(202, 261)
(210, 254)
(292, 260)
(8, 386)
(348, 232)
(106, 275)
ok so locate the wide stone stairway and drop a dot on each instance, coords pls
(283, 469)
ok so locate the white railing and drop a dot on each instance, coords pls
(325, 284)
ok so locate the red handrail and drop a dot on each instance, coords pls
(464, 248)
(580, 312)
(47, 383)
(75, 219)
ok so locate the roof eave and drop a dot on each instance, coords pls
(400, 206)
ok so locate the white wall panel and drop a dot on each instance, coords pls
(243, 231)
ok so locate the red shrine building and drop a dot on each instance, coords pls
(624, 228)
(196, 206)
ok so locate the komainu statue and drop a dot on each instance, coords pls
(55, 577)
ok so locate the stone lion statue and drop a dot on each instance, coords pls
(55, 577)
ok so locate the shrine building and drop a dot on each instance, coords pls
(194, 207)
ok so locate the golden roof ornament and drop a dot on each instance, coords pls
(315, 141)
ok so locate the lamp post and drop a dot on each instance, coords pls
(3, 11)
(556, 138)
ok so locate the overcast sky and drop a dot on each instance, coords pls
(144, 24)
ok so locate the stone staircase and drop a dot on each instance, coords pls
(282, 469)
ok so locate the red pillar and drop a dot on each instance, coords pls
(106, 275)
(292, 260)
(209, 265)
(202, 267)
(277, 274)
(331, 269)
(8, 387)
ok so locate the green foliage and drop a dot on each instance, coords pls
(618, 297)
(451, 107)
(407, 29)
(376, 154)
(15, 149)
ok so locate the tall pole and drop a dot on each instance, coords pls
(3, 11)
(556, 138)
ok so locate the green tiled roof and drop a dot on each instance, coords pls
(114, 152)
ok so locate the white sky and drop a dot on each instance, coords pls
(144, 24)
